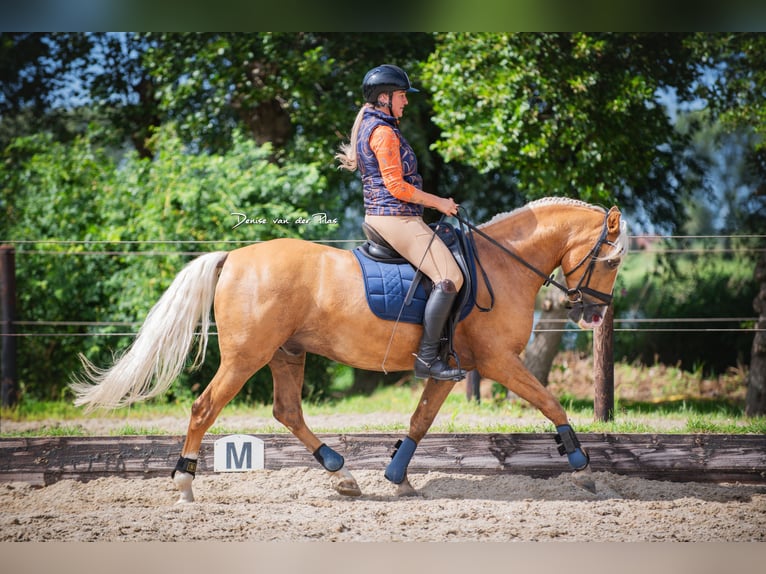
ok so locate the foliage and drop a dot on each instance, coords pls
(50, 191)
(162, 136)
(740, 59)
(518, 115)
(567, 114)
(736, 96)
(700, 286)
(34, 73)
(55, 192)
(298, 91)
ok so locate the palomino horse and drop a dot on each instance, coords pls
(278, 300)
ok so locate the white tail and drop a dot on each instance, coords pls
(157, 355)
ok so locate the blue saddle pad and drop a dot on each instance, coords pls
(387, 285)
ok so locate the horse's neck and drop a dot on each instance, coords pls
(536, 238)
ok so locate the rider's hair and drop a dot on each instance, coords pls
(346, 156)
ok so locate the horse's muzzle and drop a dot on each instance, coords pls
(585, 314)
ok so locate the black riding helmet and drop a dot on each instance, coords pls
(385, 78)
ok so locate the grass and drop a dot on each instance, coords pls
(457, 415)
(649, 399)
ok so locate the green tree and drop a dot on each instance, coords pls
(77, 192)
(52, 191)
(737, 94)
(298, 91)
(37, 73)
(568, 114)
(502, 118)
(698, 285)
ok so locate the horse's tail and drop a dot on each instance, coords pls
(155, 358)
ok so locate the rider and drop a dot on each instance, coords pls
(394, 202)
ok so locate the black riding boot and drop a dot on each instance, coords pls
(427, 361)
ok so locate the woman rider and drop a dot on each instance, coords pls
(394, 202)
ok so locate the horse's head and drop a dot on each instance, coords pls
(590, 277)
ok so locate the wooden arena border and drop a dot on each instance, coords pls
(698, 457)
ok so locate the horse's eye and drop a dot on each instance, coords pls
(613, 263)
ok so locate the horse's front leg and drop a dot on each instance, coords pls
(433, 397)
(288, 370)
(515, 377)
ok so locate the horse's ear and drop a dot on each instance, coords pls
(613, 220)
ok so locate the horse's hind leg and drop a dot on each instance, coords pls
(287, 370)
(226, 383)
(433, 397)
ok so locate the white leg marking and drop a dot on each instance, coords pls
(183, 481)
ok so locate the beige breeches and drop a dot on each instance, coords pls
(410, 236)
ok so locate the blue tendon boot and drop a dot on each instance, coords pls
(396, 471)
(570, 446)
(328, 458)
(578, 459)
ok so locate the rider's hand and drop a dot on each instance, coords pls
(448, 206)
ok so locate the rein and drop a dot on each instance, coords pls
(575, 294)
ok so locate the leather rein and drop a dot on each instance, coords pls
(575, 295)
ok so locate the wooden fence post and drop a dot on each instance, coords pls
(8, 387)
(603, 366)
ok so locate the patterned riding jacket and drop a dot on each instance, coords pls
(388, 167)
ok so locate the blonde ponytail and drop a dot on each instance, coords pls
(347, 154)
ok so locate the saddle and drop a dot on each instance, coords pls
(397, 292)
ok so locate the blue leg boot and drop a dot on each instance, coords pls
(570, 446)
(328, 458)
(396, 471)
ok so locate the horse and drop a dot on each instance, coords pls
(278, 300)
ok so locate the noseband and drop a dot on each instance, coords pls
(576, 295)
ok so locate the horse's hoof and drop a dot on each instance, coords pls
(348, 489)
(404, 488)
(183, 482)
(344, 483)
(584, 479)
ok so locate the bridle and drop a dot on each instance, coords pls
(575, 295)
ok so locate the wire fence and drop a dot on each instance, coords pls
(563, 322)
(655, 244)
(651, 244)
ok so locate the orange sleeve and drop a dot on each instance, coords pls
(385, 145)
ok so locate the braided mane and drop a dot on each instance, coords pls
(543, 202)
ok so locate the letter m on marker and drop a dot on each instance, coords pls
(244, 458)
